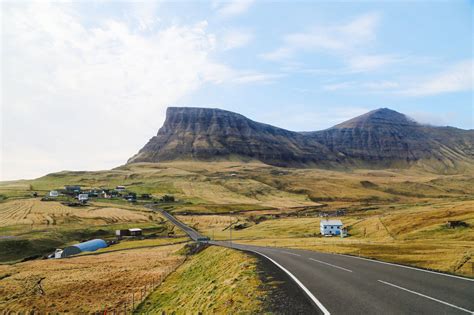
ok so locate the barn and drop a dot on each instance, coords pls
(88, 246)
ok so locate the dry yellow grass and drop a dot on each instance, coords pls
(34, 212)
(414, 234)
(216, 281)
(84, 284)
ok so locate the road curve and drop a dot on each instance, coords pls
(341, 284)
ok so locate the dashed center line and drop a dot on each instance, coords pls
(325, 263)
(426, 296)
(291, 253)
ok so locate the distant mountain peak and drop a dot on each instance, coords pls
(381, 116)
(380, 138)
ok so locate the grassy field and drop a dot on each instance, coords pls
(392, 215)
(32, 227)
(215, 281)
(413, 234)
(86, 284)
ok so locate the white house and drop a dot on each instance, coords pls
(53, 193)
(83, 198)
(330, 227)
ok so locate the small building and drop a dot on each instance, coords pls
(344, 232)
(53, 194)
(83, 198)
(58, 253)
(135, 232)
(122, 233)
(330, 227)
(72, 189)
(120, 188)
(88, 246)
(131, 196)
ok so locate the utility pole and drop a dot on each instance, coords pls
(230, 228)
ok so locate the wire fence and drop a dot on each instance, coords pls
(127, 305)
(133, 299)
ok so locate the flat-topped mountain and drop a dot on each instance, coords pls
(380, 138)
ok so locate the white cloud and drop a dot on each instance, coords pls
(457, 77)
(82, 97)
(364, 87)
(228, 9)
(236, 38)
(338, 86)
(364, 63)
(339, 39)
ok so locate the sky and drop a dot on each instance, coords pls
(85, 84)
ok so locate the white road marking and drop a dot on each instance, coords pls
(290, 253)
(322, 262)
(407, 267)
(426, 296)
(311, 296)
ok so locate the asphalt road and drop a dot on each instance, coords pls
(340, 284)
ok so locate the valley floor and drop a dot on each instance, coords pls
(392, 215)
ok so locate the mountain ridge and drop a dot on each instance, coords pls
(381, 138)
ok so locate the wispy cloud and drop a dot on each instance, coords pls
(457, 77)
(328, 39)
(365, 87)
(228, 9)
(87, 81)
(236, 38)
(364, 63)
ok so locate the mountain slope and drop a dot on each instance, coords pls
(386, 138)
(378, 139)
(211, 134)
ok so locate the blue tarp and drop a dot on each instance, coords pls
(91, 245)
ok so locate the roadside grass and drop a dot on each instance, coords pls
(445, 256)
(414, 234)
(217, 280)
(85, 284)
(132, 244)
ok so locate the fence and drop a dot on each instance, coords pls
(126, 306)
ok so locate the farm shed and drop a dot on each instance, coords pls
(120, 188)
(135, 232)
(330, 227)
(88, 246)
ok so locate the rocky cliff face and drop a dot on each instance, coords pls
(381, 138)
(212, 134)
(387, 138)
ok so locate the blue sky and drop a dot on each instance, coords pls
(86, 84)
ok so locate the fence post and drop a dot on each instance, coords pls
(133, 301)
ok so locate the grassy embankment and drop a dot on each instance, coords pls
(217, 280)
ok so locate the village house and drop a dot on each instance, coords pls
(53, 194)
(83, 198)
(331, 227)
